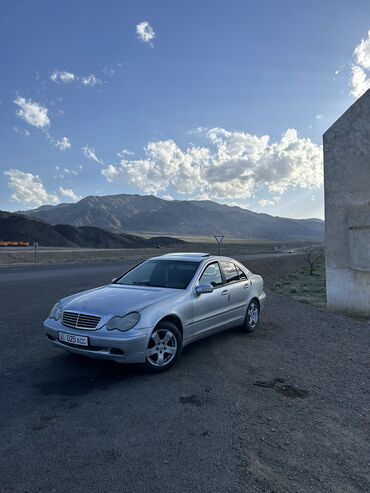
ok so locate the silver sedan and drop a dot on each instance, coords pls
(151, 312)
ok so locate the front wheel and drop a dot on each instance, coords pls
(252, 317)
(164, 347)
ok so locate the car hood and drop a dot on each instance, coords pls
(116, 299)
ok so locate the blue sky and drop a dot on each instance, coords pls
(224, 100)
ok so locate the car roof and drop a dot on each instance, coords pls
(191, 256)
(185, 256)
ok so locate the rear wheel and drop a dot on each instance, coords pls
(164, 347)
(252, 317)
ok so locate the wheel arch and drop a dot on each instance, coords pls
(255, 298)
(174, 319)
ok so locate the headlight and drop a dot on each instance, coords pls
(123, 323)
(56, 312)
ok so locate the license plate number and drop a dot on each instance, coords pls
(71, 339)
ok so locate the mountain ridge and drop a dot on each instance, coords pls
(134, 213)
(19, 227)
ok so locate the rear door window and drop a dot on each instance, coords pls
(241, 274)
(230, 272)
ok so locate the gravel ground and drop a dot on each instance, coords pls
(283, 410)
(303, 399)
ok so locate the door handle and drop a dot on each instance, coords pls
(225, 292)
(247, 285)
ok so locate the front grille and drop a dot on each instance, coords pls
(80, 320)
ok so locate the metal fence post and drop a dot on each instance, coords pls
(35, 244)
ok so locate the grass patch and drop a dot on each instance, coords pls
(303, 287)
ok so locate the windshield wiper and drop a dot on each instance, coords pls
(138, 283)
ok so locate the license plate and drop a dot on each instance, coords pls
(71, 339)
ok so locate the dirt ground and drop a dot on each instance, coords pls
(312, 410)
(285, 409)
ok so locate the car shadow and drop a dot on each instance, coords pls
(201, 348)
(71, 375)
(74, 375)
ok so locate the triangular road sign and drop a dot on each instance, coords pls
(219, 238)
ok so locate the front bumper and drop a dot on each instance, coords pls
(123, 347)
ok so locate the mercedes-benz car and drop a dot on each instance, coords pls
(148, 314)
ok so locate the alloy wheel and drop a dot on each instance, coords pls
(252, 314)
(162, 348)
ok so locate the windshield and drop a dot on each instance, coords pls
(174, 274)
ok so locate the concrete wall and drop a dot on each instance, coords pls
(347, 210)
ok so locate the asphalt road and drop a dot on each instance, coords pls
(285, 409)
(31, 249)
(47, 255)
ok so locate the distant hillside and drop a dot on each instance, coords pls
(17, 227)
(149, 214)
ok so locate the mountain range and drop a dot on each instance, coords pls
(17, 227)
(149, 214)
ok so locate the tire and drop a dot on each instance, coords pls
(164, 348)
(252, 317)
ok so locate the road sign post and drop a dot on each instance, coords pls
(219, 239)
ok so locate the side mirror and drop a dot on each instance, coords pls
(114, 280)
(204, 289)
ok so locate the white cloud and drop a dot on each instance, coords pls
(109, 71)
(70, 194)
(125, 152)
(32, 113)
(70, 171)
(197, 130)
(63, 144)
(233, 166)
(90, 153)
(65, 172)
(22, 131)
(29, 189)
(362, 52)
(320, 116)
(360, 70)
(360, 81)
(266, 203)
(145, 32)
(90, 80)
(63, 76)
(68, 77)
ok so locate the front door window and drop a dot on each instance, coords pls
(211, 275)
